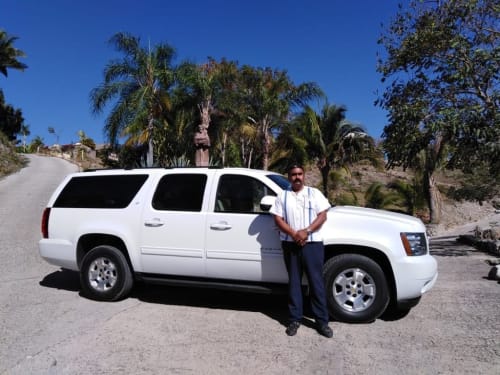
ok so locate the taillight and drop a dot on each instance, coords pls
(45, 222)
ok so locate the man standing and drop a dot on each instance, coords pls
(299, 213)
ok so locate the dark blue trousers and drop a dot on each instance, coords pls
(308, 259)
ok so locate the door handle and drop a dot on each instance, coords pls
(154, 223)
(220, 226)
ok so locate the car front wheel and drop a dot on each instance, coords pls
(356, 287)
(105, 274)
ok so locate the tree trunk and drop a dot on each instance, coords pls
(265, 154)
(201, 137)
(149, 156)
(434, 199)
(246, 151)
(223, 149)
(325, 172)
(266, 140)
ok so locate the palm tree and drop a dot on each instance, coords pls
(25, 131)
(332, 141)
(9, 55)
(410, 193)
(207, 86)
(173, 136)
(138, 84)
(268, 97)
(376, 197)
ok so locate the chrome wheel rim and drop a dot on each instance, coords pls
(354, 290)
(102, 274)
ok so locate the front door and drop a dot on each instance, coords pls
(242, 240)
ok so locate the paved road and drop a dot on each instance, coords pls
(46, 327)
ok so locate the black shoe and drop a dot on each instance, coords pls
(324, 330)
(292, 328)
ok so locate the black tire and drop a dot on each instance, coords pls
(105, 274)
(356, 288)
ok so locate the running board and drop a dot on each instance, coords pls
(234, 285)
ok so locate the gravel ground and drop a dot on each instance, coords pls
(46, 327)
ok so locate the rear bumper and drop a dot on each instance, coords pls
(59, 253)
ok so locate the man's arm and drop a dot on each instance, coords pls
(317, 223)
(303, 234)
(284, 227)
(300, 236)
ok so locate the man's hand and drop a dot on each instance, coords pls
(300, 237)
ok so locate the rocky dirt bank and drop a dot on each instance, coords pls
(460, 218)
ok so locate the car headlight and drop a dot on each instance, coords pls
(414, 243)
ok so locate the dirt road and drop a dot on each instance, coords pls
(46, 327)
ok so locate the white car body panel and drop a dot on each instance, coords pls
(222, 245)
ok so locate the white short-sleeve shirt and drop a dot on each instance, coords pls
(300, 209)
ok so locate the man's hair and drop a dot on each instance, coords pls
(293, 166)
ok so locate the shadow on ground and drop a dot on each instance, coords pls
(62, 279)
(449, 247)
(272, 305)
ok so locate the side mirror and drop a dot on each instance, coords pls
(266, 202)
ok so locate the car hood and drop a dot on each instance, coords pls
(370, 214)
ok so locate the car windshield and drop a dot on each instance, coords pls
(280, 180)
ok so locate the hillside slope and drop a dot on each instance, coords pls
(361, 176)
(10, 160)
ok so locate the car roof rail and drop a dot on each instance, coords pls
(139, 168)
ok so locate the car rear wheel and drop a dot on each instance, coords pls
(356, 287)
(105, 274)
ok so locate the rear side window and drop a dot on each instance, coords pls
(180, 192)
(100, 191)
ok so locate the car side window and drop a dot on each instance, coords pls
(105, 192)
(180, 192)
(240, 194)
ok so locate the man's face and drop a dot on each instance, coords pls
(296, 178)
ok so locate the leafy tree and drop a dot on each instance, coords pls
(269, 97)
(173, 135)
(332, 141)
(11, 119)
(208, 86)
(441, 64)
(35, 144)
(290, 145)
(138, 85)
(9, 54)
(25, 131)
(86, 141)
(51, 130)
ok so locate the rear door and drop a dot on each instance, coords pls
(242, 241)
(173, 225)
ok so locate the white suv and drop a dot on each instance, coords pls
(188, 226)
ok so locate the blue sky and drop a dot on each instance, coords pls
(332, 43)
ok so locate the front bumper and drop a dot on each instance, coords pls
(414, 276)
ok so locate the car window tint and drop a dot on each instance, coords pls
(100, 191)
(180, 192)
(280, 180)
(240, 194)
